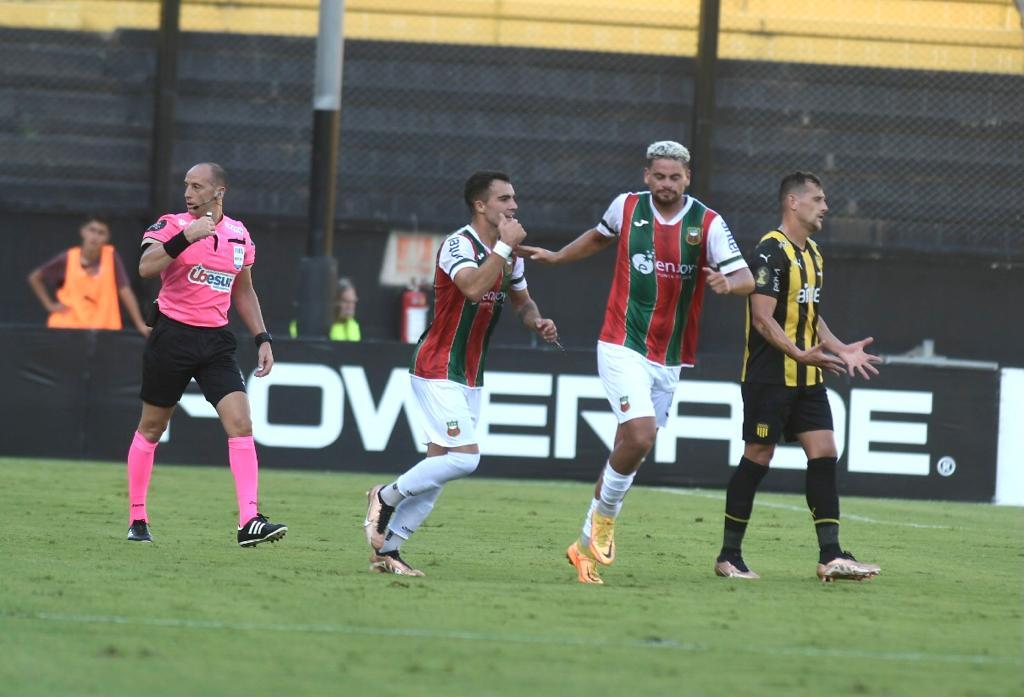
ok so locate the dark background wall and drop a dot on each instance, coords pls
(967, 305)
(923, 170)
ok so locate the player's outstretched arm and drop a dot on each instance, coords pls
(738, 282)
(855, 359)
(247, 304)
(589, 243)
(529, 315)
(762, 309)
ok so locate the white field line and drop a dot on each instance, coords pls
(800, 509)
(499, 638)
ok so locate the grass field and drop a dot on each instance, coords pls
(84, 612)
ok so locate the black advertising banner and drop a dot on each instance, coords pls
(916, 432)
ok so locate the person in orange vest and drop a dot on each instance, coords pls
(90, 279)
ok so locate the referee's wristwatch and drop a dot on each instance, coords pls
(263, 338)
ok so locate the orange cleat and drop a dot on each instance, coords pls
(602, 538)
(580, 558)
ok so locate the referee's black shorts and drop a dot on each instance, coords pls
(774, 412)
(176, 353)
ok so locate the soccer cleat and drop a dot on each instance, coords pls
(378, 515)
(258, 530)
(732, 566)
(846, 568)
(586, 570)
(139, 532)
(602, 538)
(392, 563)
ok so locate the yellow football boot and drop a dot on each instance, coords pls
(580, 558)
(602, 538)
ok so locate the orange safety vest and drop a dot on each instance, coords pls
(91, 300)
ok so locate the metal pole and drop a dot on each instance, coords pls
(704, 97)
(164, 102)
(318, 270)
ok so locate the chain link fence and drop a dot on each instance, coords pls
(564, 96)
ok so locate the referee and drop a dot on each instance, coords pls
(204, 259)
(784, 397)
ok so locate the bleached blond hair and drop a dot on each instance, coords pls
(667, 150)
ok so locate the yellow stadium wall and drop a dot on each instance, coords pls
(950, 35)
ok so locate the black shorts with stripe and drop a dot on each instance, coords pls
(177, 352)
(776, 413)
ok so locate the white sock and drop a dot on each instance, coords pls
(613, 489)
(585, 535)
(391, 495)
(434, 472)
(408, 517)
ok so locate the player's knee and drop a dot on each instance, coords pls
(465, 462)
(238, 426)
(641, 439)
(152, 430)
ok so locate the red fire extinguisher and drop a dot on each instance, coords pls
(414, 313)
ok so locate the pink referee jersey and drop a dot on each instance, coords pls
(196, 287)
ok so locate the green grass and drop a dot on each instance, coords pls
(84, 612)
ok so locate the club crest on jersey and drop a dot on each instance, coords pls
(215, 280)
(624, 403)
(239, 255)
(762, 430)
(643, 262)
(453, 429)
(693, 235)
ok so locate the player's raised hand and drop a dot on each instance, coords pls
(546, 329)
(511, 231)
(200, 228)
(264, 361)
(820, 358)
(540, 254)
(717, 281)
(856, 359)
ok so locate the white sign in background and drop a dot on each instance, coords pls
(375, 420)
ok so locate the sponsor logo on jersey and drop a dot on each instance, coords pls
(643, 262)
(219, 281)
(453, 429)
(693, 235)
(668, 268)
(235, 228)
(640, 223)
(808, 295)
(158, 225)
(762, 277)
(239, 256)
(492, 297)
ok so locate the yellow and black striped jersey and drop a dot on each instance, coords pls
(793, 276)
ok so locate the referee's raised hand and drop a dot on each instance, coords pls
(200, 228)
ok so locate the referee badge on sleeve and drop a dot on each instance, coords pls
(239, 256)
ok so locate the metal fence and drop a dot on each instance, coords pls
(915, 119)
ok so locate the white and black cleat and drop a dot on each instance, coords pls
(139, 532)
(258, 530)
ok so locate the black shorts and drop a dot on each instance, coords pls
(771, 412)
(176, 353)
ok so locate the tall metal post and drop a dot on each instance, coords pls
(704, 97)
(164, 102)
(318, 271)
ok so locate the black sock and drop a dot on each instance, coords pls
(739, 502)
(823, 500)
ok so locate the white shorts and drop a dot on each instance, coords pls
(449, 411)
(634, 385)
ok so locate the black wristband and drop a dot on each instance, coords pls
(176, 245)
(263, 338)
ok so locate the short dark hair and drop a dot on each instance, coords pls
(480, 182)
(794, 181)
(218, 176)
(96, 218)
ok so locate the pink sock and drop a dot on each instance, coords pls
(140, 466)
(242, 456)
